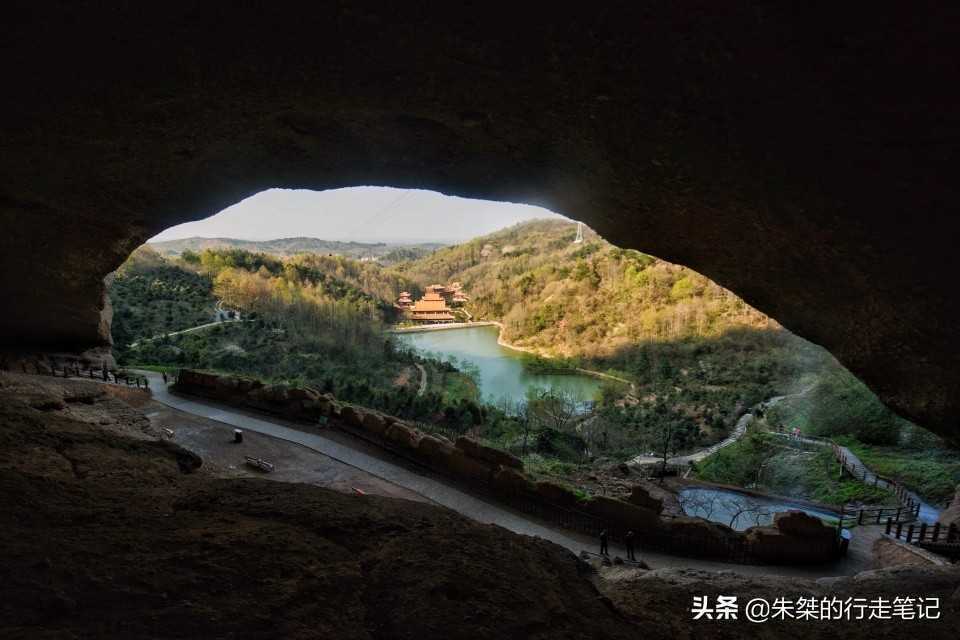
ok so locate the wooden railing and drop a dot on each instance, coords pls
(879, 515)
(909, 504)
(101, 375)
(937, 538)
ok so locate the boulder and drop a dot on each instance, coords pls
(375, 423)
(640, 497)
(400, 434)
(463, 466)
(352, 415)
(316, 408)
(487, 454)
(700, 537)
(621, 515)
(246, 385)
(300, 395)
(435, 450)
(508, 479)
(770, 544)
(556, 494)
(798, 523)
(269, 398)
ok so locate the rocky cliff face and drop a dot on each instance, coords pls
(107, 532)
(104, 534)
(804, 160)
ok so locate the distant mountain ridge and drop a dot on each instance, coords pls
(293, 246)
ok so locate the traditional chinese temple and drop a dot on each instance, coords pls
(431, 308)
(404, 301)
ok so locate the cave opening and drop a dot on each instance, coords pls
(804, 160)
(302, 286)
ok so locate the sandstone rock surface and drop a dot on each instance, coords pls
(803, 159)
(487, 454)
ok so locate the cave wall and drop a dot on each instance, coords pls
(804, 159)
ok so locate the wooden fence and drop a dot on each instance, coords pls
(858, 471)
(879, 515)
(937, 538)
(916, 534)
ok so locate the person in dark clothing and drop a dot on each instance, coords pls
(603, 543)
(628, 540)
(164, 374)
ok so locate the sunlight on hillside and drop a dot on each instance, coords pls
(586, 355)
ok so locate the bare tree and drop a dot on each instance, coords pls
(551, 408)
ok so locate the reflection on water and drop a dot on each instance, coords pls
(738, 510)
(499, 370)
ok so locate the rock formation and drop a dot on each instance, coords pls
(803, 158)
(104, 535)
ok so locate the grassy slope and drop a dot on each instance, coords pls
(757, 462)
(932, 472)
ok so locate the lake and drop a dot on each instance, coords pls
(500, 370)
(739, 510)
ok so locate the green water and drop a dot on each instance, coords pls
(500, 370)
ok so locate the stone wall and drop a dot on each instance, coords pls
(794, 537)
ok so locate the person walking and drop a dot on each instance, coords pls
(628, 540)
(603, 543)
(164, 374)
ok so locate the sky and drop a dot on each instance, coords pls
(361, 214)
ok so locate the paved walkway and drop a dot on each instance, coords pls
(696, 456)
(468, 505)
(423, 380)
(199, 327)
(738, 431)
(863, 473)
(928, 513)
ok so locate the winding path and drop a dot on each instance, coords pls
(423, 380)
(215, 323)
(861, 472)
(738, 432)
(450, 497)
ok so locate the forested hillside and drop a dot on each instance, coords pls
(307, 319)
(383, 252)
(696, 353)
(589, 299)
(152, 296)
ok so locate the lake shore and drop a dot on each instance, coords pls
(506, 345)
